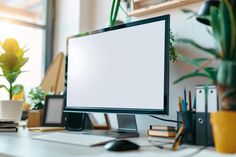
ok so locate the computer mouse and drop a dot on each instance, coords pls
(121, 145)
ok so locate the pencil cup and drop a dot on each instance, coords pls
(189, 125)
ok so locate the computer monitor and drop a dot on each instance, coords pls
(120, 69)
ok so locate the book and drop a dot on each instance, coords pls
(162, 127)
(7, 125)
(161, 133)
(45, 129)
(9, 129)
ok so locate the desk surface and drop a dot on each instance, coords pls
(21, 144)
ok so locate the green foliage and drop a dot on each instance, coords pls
(211, 51)
(197, 62)
(11, 61)
(173, 54)
(36, 97)
(226, 74)
(223, 24)
(17, 89)
(114, 12)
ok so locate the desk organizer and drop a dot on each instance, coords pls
(200, 128)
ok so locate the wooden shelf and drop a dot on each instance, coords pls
(163, 6)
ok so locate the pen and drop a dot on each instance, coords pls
(185, 96)
(184, 107)
(180, 105)
(185, 115)
(190, 100)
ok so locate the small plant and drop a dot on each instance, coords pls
(11, 61)
(173, 54)
(36, 97)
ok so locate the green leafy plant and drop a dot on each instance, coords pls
(173, 54)
(114, 12)
(11, 61)
(223, 24)
(36, 97)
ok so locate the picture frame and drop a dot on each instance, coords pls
(53, 111)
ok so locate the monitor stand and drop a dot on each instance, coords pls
(127, 127)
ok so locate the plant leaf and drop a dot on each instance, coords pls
(211, 51)
(3, 86)
(17, 89)
(187, 11)
(195, 62)
(212, 72)
(226, 74)
(191, 74)
(11, 76)
(114, 11)
(215, 24)
(227, 29)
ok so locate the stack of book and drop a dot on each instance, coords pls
(161, 131)
(8, 126)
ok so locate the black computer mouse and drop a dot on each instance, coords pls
(121, 145)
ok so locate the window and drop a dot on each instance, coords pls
(26, 21)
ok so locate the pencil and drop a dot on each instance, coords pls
(185, 95)
(190, 100)
(180, 105)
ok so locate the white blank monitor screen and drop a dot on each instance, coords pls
(122, 69)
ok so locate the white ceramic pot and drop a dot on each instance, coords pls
(11, 109)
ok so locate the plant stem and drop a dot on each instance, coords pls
(10, 91)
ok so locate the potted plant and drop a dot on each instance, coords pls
(223, 24)
(11, 61)
(36, 99)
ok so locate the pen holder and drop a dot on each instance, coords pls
(189, 130)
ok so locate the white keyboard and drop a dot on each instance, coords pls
(75, 139)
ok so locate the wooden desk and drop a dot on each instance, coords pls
(21, 144)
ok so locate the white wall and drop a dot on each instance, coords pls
(96, 16)
(66, 23)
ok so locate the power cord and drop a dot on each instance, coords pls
(166, 120)
(196, 152)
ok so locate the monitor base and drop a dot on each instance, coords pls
(111, 133)
(127, 127)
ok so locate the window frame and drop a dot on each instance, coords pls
(47, 28)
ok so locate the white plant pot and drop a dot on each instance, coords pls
(11, 109)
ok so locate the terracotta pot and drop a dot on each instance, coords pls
(11, 109)
(224, 127)
(35, 118)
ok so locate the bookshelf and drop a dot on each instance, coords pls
(141, 11)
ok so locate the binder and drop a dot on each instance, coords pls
(212, 102)
(212, 106)
(203, 109)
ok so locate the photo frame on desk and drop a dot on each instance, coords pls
(53, 111)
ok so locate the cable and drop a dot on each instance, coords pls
(196, 152)
(166, 120)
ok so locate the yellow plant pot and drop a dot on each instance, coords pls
(224, 131)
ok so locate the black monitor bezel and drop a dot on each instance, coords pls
(166, 18)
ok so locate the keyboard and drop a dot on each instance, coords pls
(75, 139)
